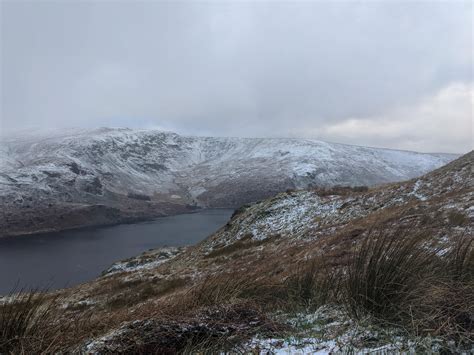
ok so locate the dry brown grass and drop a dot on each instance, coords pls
(456, 218)
(215, 314)
(340, 190)
(23, 319)
(34, 322)
(225, 289)
(399, 280)
(382, 271)
(312, 284)
(134, 292)
(242, 244)
(443, 303)
(213, 329)
(391, 276)
(42, 323)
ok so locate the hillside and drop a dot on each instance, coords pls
(71, 178)
(280, 276)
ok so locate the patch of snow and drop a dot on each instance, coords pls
(415, 192)
(146, 261)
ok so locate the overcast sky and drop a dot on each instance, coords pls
(388, 74)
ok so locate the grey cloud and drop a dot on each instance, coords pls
(234, 68)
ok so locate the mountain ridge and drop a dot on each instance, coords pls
(51, 132)
(140, 174)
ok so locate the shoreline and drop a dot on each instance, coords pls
(123, 221)
(62, 260)
(73, 217)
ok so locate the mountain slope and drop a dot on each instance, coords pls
(265, 244)
(123, 173)
(440, 203)
(237, 287)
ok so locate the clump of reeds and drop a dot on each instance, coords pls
(398, 279)
(25, 321)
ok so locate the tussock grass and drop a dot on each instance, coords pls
(311, 285)
(443, 303)
(398, 280)
(459, 262)
(229, 288)
(25, 319)
(456, 218)
(382, 272)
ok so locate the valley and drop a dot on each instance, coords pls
(67, 258)
(62, 179)
(285, 274)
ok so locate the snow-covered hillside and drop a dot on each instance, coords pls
(301, 235)
(124, 168)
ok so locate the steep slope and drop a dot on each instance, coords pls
(440, 203)
(267, 242)
(63, 179)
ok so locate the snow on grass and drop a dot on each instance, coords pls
(292, 214)
(93, 346)
(329, 331)
(146, 261)
(292, 346)
(415, 192)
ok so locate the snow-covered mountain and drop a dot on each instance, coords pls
(146, 172)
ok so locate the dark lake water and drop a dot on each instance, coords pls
(61, 259)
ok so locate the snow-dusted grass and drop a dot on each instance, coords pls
(146, 261)
(329, 330)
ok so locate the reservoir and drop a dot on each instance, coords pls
(62, 259)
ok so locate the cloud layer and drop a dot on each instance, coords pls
(442, 122)
(384, 74)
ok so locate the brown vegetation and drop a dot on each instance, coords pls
(340, 190)
(385, 256)
(394, 278)
(399, 279)
(29, 323)
(245, 243)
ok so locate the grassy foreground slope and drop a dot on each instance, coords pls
(391, 268)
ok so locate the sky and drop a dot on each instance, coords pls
(393, 74)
